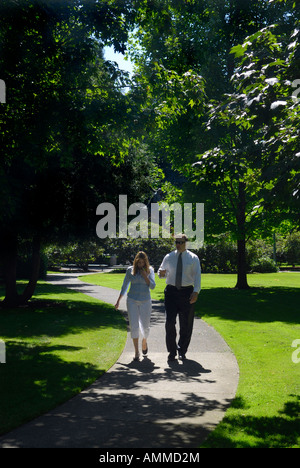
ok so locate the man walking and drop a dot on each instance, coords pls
(182, 271)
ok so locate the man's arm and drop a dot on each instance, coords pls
(162, 271)
(197, 277)
(197, 281)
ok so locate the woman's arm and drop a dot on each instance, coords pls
(124, 288)
(117, 304)
(150, 279)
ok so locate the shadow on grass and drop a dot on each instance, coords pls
(45, 380)
(39, 374)
(110, 414)
(58, 315)
(260, 432)
(256, 304)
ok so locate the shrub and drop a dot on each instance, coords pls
(220, 257)
(126, 249)
(78, 253)
(292, 248)
(265, 265)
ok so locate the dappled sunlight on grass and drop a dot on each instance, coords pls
(259, 324)
(56, 346)
(65, 339)
(239, 430)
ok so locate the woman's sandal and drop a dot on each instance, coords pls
(144, 351)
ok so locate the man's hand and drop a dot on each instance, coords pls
(162, 273)
(193, 297)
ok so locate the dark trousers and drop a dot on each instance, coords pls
(177, 302)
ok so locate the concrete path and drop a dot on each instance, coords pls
(145, 404)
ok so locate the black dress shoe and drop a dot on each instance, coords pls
(182, 356)
(171, 357)
(145, 351)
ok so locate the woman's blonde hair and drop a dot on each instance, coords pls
(143, 256)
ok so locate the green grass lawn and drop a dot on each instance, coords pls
(259, 325)
(54, 349)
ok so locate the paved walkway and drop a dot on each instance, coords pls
(145, 404)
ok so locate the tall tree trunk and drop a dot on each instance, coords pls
(36, 258)
(10, 249)
(241, 243)
(10, 254)
(242, 271)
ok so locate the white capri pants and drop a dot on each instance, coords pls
(139, 314)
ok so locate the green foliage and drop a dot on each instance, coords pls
(65, 114)
(220, 257)
(126, 249)
(265, 265)
(292, 248)
(78, 253)
(67, 133)
(213, 140)
(266, 102)
(256, 130)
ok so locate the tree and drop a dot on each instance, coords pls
(261, 119)
(65, 138)
(266, 82)
(292, 248)
(196, 38)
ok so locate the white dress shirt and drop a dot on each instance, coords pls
(191, 270)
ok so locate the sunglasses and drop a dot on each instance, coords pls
(179, 242)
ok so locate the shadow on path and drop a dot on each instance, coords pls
(145, 404)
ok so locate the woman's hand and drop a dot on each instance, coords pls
(143, 272)
(144, 275)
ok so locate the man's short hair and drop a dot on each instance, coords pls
(181, 236)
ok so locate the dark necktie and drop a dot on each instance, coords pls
(178, 278)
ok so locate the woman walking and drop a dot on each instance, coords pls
(139, 305)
